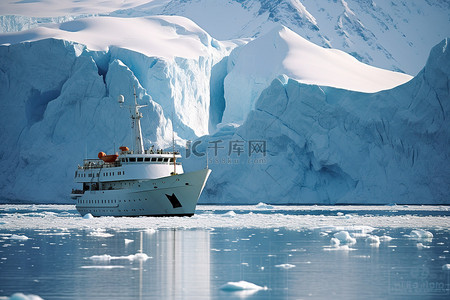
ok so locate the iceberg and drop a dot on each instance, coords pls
(59, 84)
(282, 52)
(286, 124)
(333, 146)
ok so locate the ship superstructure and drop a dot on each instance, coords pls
(137, 182)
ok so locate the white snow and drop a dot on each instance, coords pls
(240, 286)
(156, 36)
(127, 241)
(446, 267)
(283, 52)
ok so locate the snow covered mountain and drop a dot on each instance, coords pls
(336, 130)
(395, 35)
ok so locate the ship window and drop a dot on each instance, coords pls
(147, 159)
(171, 159)
(140, 159)
(153, 158)
(113, 173)
(132, 159)
(160, 159)
(166, 159)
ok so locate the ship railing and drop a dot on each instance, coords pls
(98, 163)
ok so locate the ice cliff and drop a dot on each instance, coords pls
(329, 145)
(317, 133)
(59, 98)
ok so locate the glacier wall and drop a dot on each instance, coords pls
(59, 106)
(327, 145)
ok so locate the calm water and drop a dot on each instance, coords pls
(193, 263)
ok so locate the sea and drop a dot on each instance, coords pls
(227, 252)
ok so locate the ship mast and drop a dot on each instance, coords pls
(138, 144)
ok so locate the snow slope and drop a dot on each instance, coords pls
(394, 35)
(252, 67)
(327, 145)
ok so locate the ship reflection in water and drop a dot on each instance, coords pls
(177, 267)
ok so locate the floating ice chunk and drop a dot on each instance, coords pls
(150, 231)
(240, 286)
(127, 241)
(446, 267)
(421, 246)
(385, 238)
(285, 266)
(421, 235)
(102, 267)
(104, 257)
(335, 242)
(20, 296)
(139, 256)
(100, 233)
(344, 237)
(132, 257)
(340, 248)
(88, 216)
(340, 213)
(264, 205)
(18, 237)
(229, 214)
(373, 240)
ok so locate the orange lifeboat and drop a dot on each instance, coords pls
(123, 148)
(107, 158)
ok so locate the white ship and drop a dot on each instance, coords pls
(137, 182)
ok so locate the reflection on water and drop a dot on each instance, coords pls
(56, 264)
(89, 263)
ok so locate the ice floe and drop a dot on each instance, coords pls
(285, 266)
(64, 216)
(21, 296)
(339, 248)
(240, 286)
(373, 240)
(132, 257)
(103, 267)
(420, 234)
(446, 267)
(88, 216)
(18, 237)
(344, 237)
(100, 232)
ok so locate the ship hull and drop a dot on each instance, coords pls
(175, 195)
